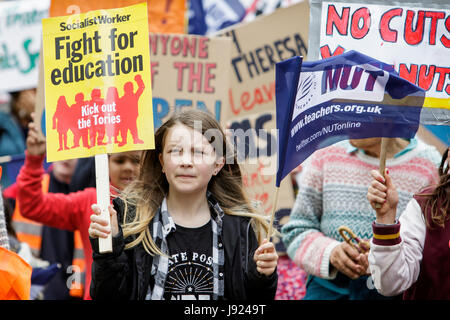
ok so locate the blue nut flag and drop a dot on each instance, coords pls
(350, 96)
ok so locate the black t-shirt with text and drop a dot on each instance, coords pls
(190, 272)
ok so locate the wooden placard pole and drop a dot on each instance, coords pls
(103, 197)
(383, 148)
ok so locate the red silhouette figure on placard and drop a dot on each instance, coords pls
(129, 110)
(60, 122)
(78, 123)
(111, 102)
(97, 131)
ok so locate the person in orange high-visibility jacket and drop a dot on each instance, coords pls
(54, 245)
(15, 276)
(67, 211)
(15, 273)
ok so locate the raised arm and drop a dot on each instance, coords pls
(52, 209)
(396, 248)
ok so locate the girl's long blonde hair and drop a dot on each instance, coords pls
(148, 191)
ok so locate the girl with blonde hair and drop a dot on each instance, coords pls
(185, 229)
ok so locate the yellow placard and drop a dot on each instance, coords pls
(164, 16)
(98, 96)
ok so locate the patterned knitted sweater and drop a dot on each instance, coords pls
(332, 192)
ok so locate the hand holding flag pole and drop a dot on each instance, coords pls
(385, 142)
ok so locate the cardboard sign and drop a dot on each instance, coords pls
(97, 83)
(255, 141)
(165, 16)
(20, 42)
(253, 58)
(189, 71)
(251, 98)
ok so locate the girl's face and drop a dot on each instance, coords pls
(124, 168)
(188, 160)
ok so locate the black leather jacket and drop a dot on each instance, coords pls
(125, 274)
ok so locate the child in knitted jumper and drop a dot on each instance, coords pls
(332, 193)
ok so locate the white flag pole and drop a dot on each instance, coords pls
(103, 197)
